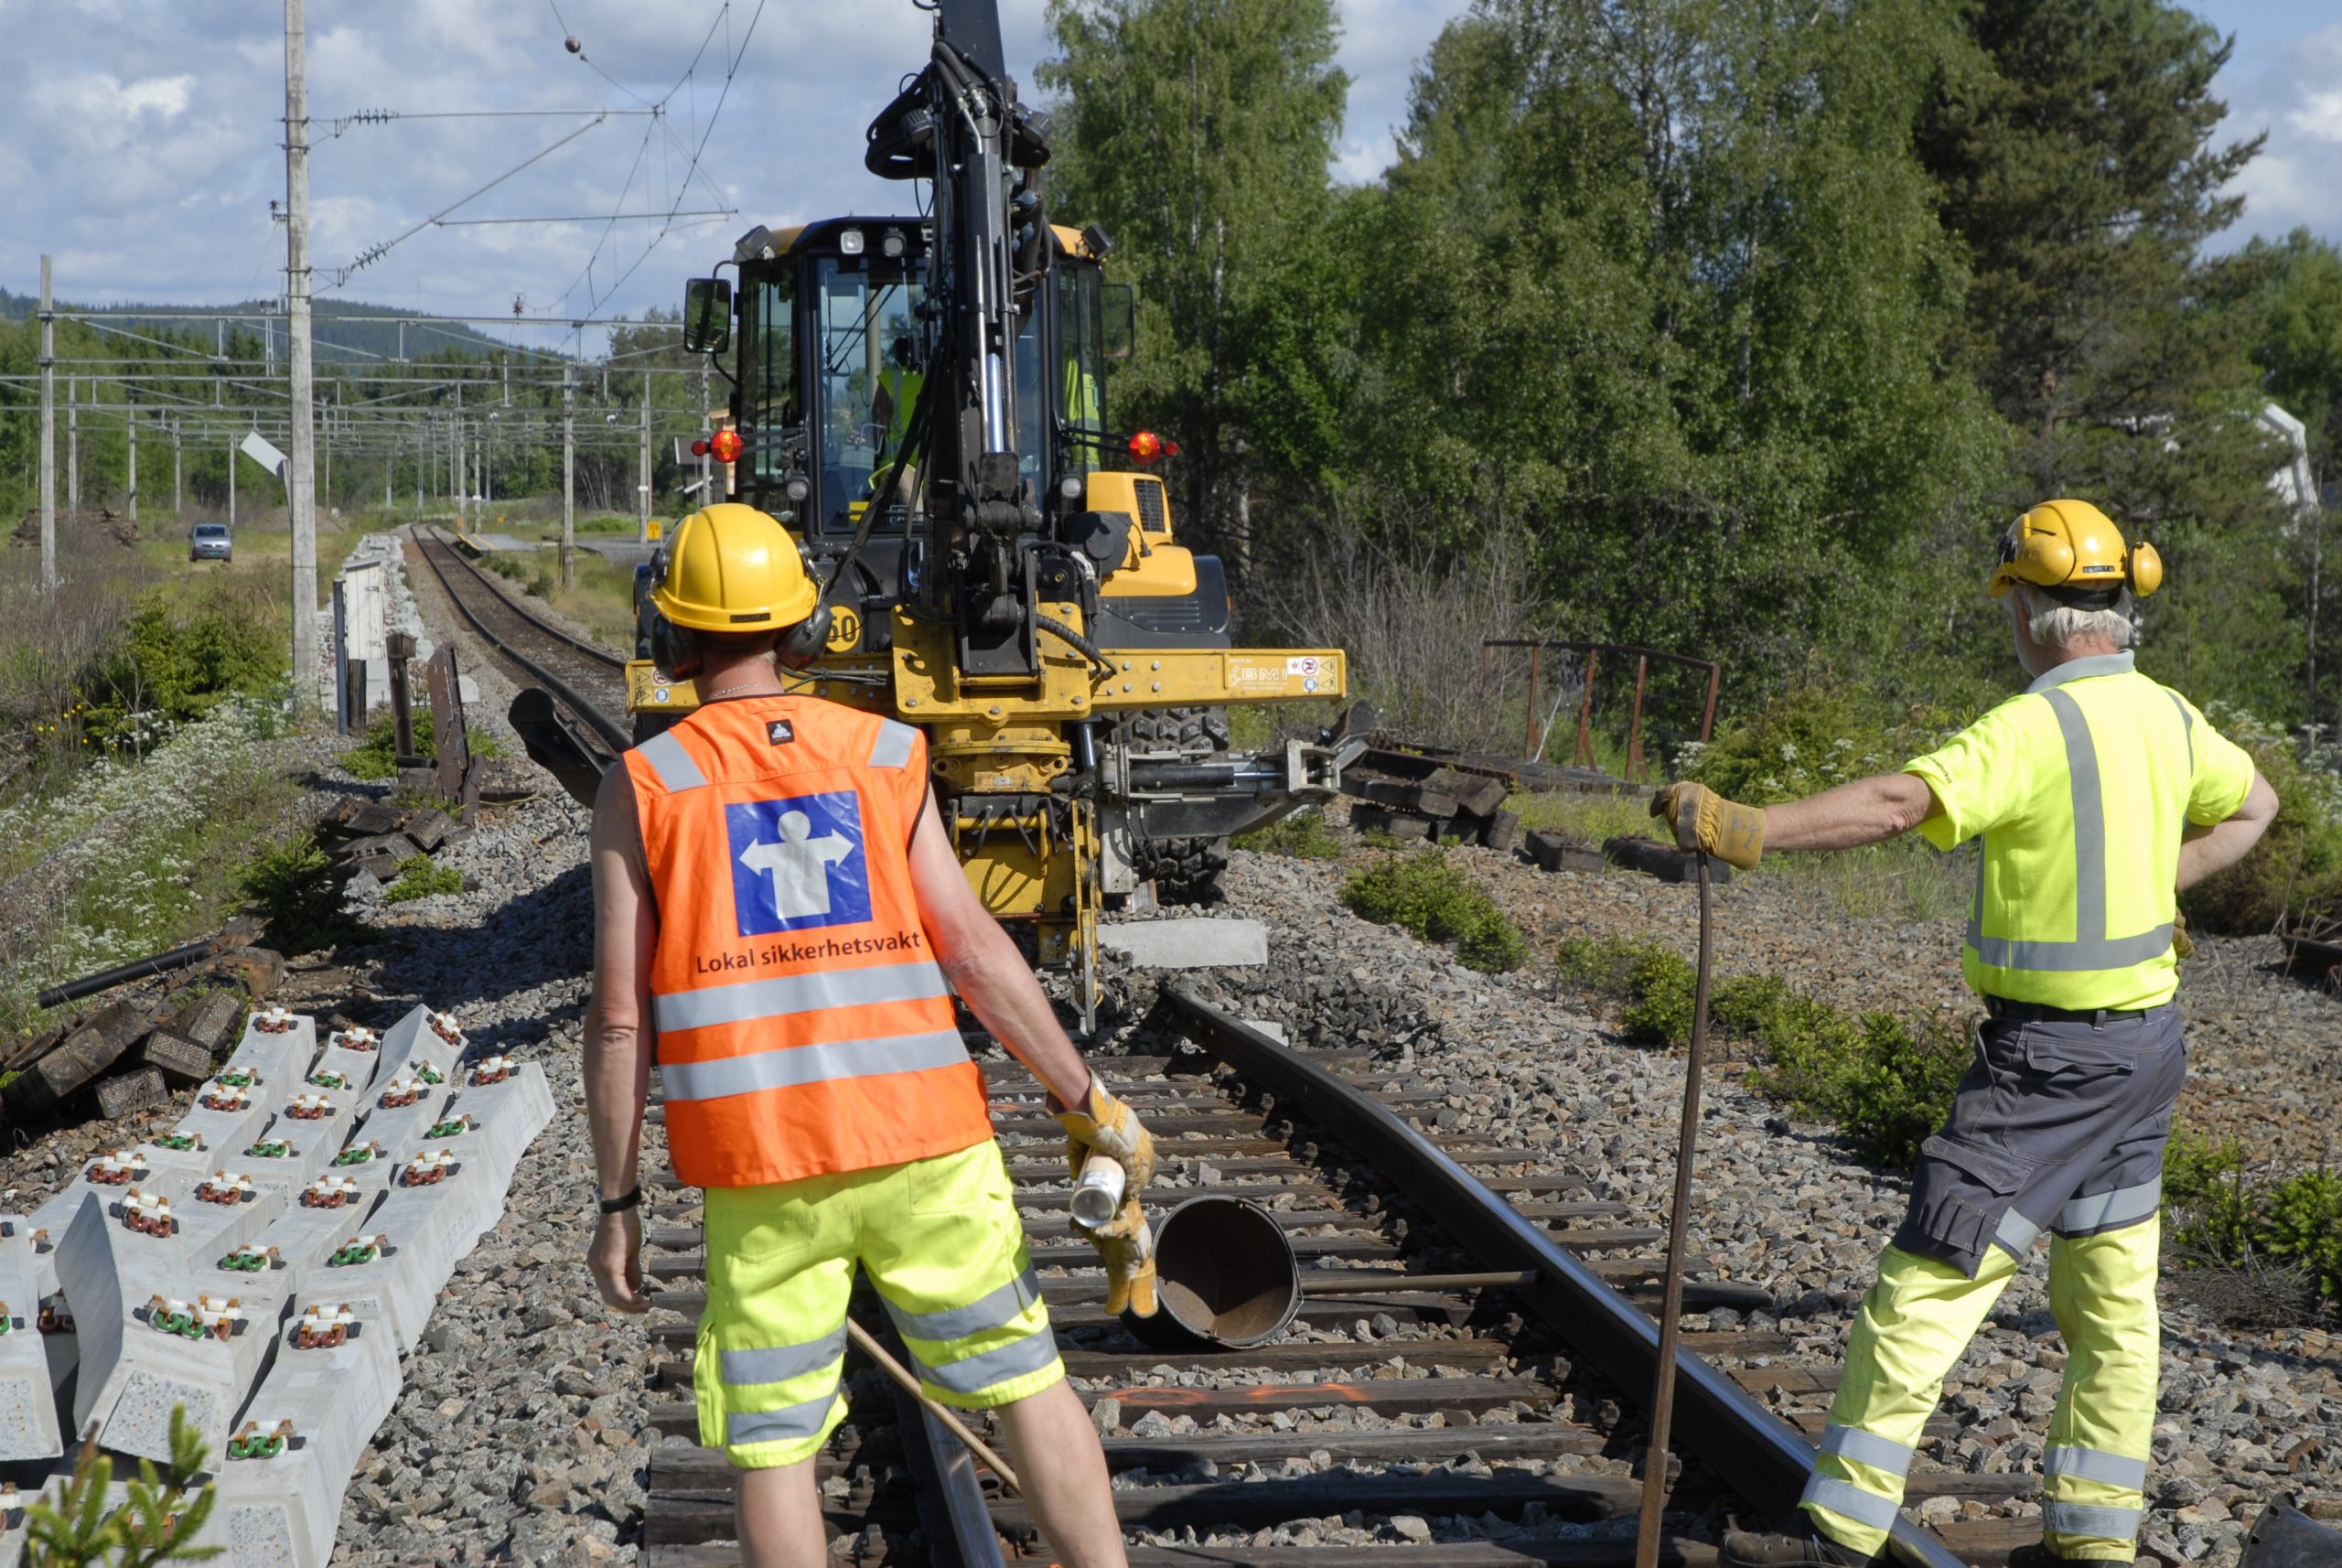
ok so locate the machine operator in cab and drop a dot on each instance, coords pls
(2098, 794)
(777, 905)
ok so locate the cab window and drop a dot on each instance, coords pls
(869, 368)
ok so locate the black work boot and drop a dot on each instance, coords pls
(1796, 1544)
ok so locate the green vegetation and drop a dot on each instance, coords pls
(293, 887)
(1888, 1081)
(376, 756)
(158, 1521)
(600, 598)
(1304, 834)
(1424, 894)
(422, 877)
(2220, 1214)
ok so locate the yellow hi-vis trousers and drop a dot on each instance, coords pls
(1914, 1325)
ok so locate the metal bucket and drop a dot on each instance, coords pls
(1224, 1273)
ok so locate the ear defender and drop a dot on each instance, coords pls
(2146, 569)
(676, 648)
(804, 642)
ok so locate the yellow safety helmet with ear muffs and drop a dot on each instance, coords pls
(730, 567)
(2075, 550)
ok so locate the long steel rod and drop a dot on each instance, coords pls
(951, 1423)
(1687, 1144)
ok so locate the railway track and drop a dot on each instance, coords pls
(1515, 1407)
(583, 680)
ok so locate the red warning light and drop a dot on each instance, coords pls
(1146, 446)
(699, 448)
(728, 445)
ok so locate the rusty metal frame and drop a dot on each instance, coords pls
(1759, 1455)
(1533, 742)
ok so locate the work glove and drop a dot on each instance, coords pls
(1124, 1244)
(1703, 820)
(2182, 944)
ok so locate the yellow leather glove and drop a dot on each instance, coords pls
(1703, 820)
(1125, 1245)
(2182, 944)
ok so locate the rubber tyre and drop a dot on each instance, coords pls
(1184, 870)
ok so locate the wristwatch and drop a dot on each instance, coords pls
(633, 1199)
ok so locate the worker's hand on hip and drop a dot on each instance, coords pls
(615, 1257)
(1127, 1246)
(1705, 821)
(1107, 1127)
(2182, 944)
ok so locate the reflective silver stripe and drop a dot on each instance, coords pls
(791, 994)
(794, 1065)
(2096, 1464)
(2107, 1211)
(790, 1420)
(1838, 1497)
(996, 1310)
(2084, 1519)
(1865, 1448)
(2186, 729)
(2014, 1232)
(779, 1363)
(676, 770)
(2091, 948)
(893, 746)
(986, 1370)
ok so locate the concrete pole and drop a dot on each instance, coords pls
(301, 481)
(72, 453)
(130, 423)
(568, 467)
(422, 464)
(178, 473)
(47, 433)
(642, 532)
(707, 496)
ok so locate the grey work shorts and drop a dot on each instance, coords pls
(2057, 1126)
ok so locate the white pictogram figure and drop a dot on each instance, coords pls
(798, 865)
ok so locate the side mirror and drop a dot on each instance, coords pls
(707, 316)
(1121, 309)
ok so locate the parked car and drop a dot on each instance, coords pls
(210, 542)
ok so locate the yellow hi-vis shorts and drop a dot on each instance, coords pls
(941, 1241)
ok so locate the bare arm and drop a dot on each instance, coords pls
(2221, 845)
(618, 1050)
(986, 969)
(1865, 812)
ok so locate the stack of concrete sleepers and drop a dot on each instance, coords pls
(264, 1265)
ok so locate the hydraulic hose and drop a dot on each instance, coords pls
(1074, 640)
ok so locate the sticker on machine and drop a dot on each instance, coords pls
(797, 862)
(1248, 676)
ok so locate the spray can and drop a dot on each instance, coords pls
(1098, 1195)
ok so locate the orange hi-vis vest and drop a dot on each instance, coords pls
(803, 1025)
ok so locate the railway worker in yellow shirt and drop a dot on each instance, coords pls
(2099, 794)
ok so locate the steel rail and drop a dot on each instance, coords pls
(599, 655)
(609, 733)
(1760, 1455)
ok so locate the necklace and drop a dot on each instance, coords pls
(735, 686)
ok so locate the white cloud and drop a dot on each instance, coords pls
(2285, 86)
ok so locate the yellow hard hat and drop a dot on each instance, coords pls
(2075, 550)
(730, 567)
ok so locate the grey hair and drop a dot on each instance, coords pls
(2062, 625)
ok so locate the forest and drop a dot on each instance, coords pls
(1741, 329)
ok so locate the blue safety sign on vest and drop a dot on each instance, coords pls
(798, 863)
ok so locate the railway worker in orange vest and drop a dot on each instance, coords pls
(2098, 794)
(775, 898)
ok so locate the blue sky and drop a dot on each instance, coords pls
(138, 139)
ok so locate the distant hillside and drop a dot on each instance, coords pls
(345, 329)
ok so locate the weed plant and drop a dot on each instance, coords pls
(2222, 1214)
(1302, 834)
(1888, 1081)
(375, 757)
(1424, 894)
(420, 876)
(295, 888)
(158, 1521)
